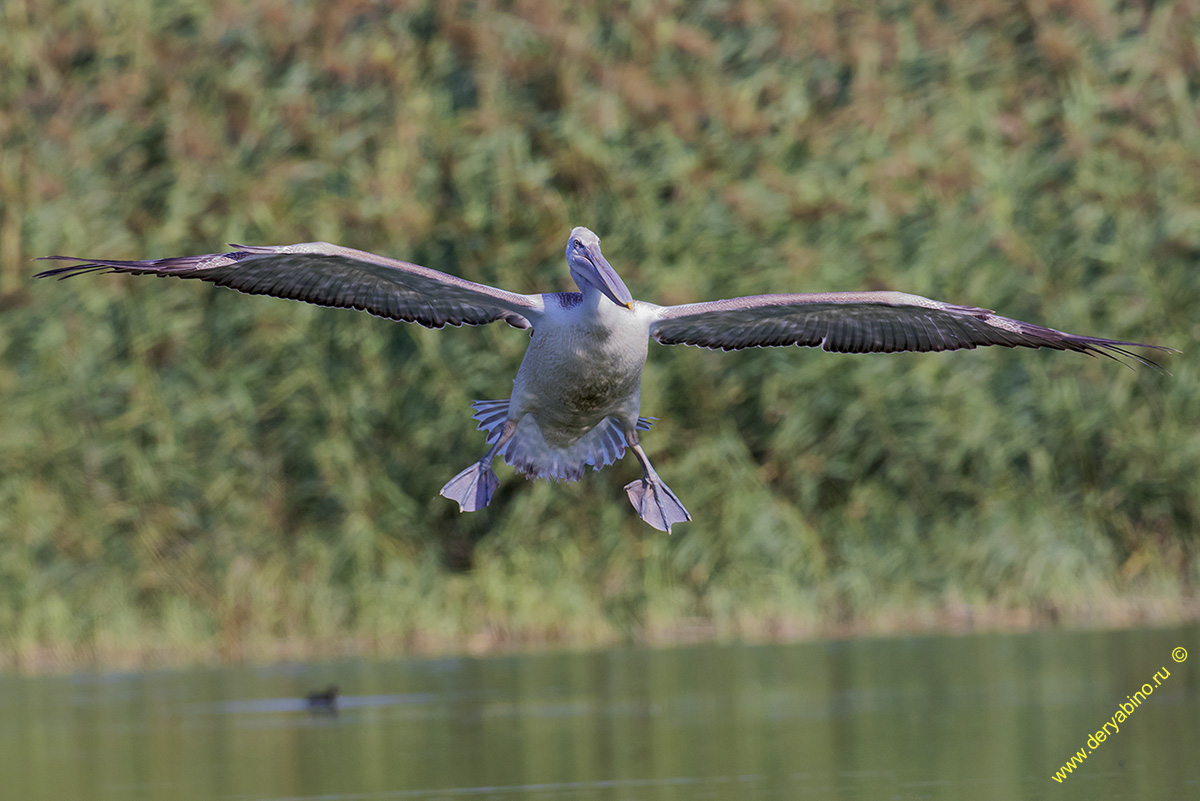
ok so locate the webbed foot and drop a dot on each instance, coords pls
(473, 488)
(656, 504)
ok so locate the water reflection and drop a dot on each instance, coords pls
(931, 717)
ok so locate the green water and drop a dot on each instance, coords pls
(981, 717)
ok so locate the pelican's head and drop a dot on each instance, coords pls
(589, 268)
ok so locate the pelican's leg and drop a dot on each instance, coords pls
(474, 487)
(653, 500)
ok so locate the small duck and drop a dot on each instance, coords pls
(323, 700)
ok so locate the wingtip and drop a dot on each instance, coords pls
(61, 272)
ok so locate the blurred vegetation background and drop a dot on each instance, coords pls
(188, 473)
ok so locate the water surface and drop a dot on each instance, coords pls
(981, 717)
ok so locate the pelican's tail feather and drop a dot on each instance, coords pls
(529, 452)
(491, 416)
(473, 488)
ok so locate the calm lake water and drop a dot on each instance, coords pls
(979, 717)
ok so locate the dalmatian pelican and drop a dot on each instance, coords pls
(576, 398)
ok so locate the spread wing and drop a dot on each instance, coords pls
(865, 322)
(330, 275)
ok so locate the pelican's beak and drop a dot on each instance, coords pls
(607, 280)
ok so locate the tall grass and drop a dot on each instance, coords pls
(189, 473)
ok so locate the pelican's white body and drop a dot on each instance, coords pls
(575, 399)
(577, 394)
(584, 363)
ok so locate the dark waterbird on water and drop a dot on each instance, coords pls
(323, 700)
(576, 399)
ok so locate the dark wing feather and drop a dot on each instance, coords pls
(329, 275)
(866, 322)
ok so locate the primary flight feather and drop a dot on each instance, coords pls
(576, 398)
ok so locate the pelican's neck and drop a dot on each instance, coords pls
(596, 305)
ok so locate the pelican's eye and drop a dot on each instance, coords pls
(578, 245)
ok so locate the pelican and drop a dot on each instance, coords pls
(577, 395)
